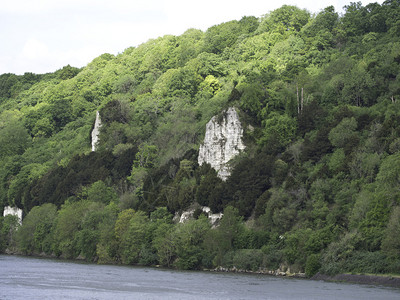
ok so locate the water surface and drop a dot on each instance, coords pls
(37, 278)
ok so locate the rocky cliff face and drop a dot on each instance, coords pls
(222, 142)
(188, 215)
(14, 211)
(96, 131)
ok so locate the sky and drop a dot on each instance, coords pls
(42, 36)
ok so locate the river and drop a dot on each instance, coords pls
(38, 278)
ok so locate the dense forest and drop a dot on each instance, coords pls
(317, 188)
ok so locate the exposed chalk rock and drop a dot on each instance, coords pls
(96, 131)
(213, 218)
(14, 211)
(188, 215)
(222, 142)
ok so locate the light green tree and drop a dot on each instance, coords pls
(68, 223)
(358, 86)
(35, 234)
(99, 192)
(285, 19)
(279, 129)
(134, 238)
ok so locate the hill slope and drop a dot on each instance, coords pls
(316, 188)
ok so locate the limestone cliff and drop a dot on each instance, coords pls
(96, 131)
(14, 211)
(222, 142)
(188, 215)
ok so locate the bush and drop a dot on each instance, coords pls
(273, 256)
(360, 262)
(248, 259)
(313, 264)
(2, 236)
(227, 260)
(367, 262)
(8, 228)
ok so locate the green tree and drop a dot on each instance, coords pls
(391, 242)
(68, 223)
(355, 19)
(209, 87)
(388, 177)
(285, 19)
(373, 225)
(9, 228)
(189, 243)
(14, 138)
(121, 228)
(106, 248)
(295, 241)
(207, 64)
(219, 37)
(99, 192)
(165, 244)
(279, 129)
(67, 72)
(327, 19)
(35, 234)
(18, 192)
(344, 133)
(8, 85)
(313, 264)
(61, 112)
(89, 232)
(225, 237)
(146, 156)
(134, 238)
(358, 87)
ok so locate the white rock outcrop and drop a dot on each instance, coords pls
(222, 142)
(188, 215)
(14, 211)
(214, 218)
(96, 131)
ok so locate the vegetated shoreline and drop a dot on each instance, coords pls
(386, 280)
(382, 279)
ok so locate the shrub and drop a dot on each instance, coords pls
(248, 259)
(313, 264)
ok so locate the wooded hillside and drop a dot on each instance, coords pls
(317, 188)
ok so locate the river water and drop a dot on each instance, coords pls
(37, 278)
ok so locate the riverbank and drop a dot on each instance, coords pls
(386, 280)
(278, 272)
